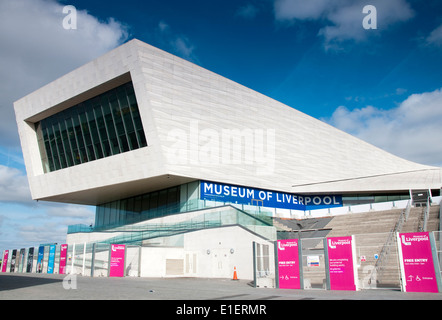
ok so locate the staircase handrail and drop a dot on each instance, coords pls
(383, 256)
(426, 215)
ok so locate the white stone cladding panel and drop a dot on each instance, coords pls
(175, 95)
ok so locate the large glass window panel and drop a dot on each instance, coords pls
(92, 123)
(79, 139)
(106, 148)
(99, 215)
(116, 209)
(83, 154)
(53, 143)
(110, 128)
(130, 205)
(57, 138)
(138, 208)
(141, 138)
(44, 133)
(138, 204)
(115, 107)
(99, 127)
(49, 155)
(98, 150)
(123, 142)
(113, 215)
(127, 117)
(106, 217)
(173, 196)
(66, 146)
(60, 148)
(73, 140)
(154, 200)
(86, 135)
(145, 204)
(47, 146)
(122, 98)
(90, 152)
(138, 126)
(100, 122)
(162, 200)
(115, 145)
(133, 140)
(122, 210)
(130, 214)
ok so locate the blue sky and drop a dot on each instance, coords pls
(382, 85)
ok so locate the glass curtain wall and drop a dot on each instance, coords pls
(139, 208)
(147, 206)
(100, 127)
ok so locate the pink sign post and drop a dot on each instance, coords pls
(416, 261)
(63, 254)
(341, 267)
(5, 260)
(117, 260)
(288, 264)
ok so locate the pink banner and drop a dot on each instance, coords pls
(288, 264)
(340, 261)
(5, 260)
(117, 260)
(63, 254)
(417, 264)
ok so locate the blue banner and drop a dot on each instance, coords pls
(265, 198)
(41, 251)
(51, 259)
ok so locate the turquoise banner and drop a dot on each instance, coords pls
(51, 260)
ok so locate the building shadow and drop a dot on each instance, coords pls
(12, 282)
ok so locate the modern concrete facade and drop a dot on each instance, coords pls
(187, 114)
(198, 126)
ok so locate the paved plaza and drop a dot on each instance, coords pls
(195, 298)
(77, 287)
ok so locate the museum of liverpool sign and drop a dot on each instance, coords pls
(273, 199)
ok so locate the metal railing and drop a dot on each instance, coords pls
(426, 215)
(382, 260)
(209, 218)
(168, 210)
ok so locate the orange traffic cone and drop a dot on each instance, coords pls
(235, 276)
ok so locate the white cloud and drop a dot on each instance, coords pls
(73, 212)
(14, 189)
(24, 222)
(411, 130)
(36, 49)
(435, 37)
(49, 232)
(13, 186)
(248, 11)
(164, 27)
(183, 47)
(177, 44)
(342, 19)
(301, 9)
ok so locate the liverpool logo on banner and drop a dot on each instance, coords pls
(416, 261)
